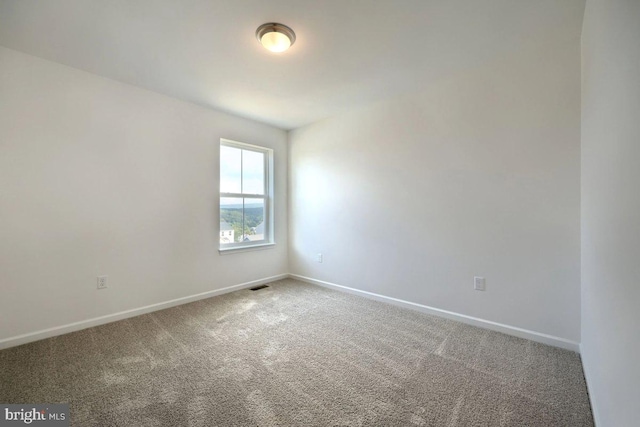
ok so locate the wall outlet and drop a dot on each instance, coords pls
(319, 258)
(102, 282)
(478, 283)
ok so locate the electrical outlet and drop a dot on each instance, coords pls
(102, 282)
(479, 283)
(319, 258)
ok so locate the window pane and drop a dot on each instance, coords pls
(231, 220)
(230, 169)
(252, 172)
(243, 172)
(254, 220)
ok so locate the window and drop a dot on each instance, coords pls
(246, 199)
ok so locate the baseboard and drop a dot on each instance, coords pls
(585, 369)
(487, 324)
(76, 326)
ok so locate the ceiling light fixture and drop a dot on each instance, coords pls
(275, 37)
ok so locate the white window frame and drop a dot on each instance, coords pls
(268, 196)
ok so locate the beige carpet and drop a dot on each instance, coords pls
(296, 354)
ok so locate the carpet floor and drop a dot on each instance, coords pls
(294, 354)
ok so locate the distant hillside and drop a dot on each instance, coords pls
(253, 216)
(248, 205)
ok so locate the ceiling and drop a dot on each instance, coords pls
(347, 53)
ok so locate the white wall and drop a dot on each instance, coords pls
(102, 178)
(611, 209)
(477, 174)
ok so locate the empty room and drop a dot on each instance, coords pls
(320, 213)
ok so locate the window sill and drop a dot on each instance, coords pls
(237, 249)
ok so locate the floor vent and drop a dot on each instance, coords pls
(257, 288)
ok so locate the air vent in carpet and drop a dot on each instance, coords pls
(257, 288)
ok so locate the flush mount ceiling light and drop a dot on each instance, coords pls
(275, 37)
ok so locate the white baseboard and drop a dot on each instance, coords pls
(76, 326)
(486, 324)
(585, 368)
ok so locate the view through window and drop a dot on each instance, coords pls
(244, 194)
